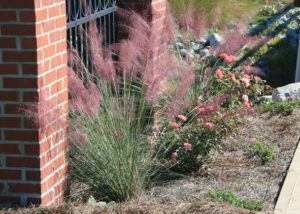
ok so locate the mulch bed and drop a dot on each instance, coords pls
(232, 168)
(182, 208)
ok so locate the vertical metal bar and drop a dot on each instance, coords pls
(114, 28)
(86, 47)
(76, 17)
(69, 32)
(104, 30)
(78, 33)
(109, 29)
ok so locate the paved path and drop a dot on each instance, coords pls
(289, 198)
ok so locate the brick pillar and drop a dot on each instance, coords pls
(153, 10)
(33, 67)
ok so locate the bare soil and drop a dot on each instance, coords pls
(233, 167)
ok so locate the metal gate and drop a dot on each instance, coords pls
(79, 15)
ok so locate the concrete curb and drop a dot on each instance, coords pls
(289, 198)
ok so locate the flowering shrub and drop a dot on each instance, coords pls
(188, 146)
(237, 84)
(189, 138)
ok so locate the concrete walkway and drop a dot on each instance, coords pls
(289, 198)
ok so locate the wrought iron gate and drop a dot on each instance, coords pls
(79, 15)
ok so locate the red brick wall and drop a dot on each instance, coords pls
(33, 67)
(155, 11)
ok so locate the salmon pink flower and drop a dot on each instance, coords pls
(187, 146)
(233, 58)
(231, 75)
(223, 55)
(219, 74)
(210, 126)
(246, 82)
(227, 59)
(182, 117)
(230, 59)
(200, 110)
(174, 155)
(247, 104)
(245, 98)
(175, 125)
(246, 76)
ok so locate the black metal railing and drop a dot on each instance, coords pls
(79, 15)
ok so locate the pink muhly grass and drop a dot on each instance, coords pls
(179, 99)
(173, 110)
(156, 75)
(194, 22)
(187, 78)
(233, 42)
(45, 111)
(83, 99)
(157, 66)
(143, 57)
(140, 56)
(188, 19)
(170, 27)
(129, 54)
(216, 15)
(207, 74)
(101, 58)
(235, 39)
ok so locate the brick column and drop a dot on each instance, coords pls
(33, 67)
(153, 10)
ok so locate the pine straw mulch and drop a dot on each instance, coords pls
(182, 208)
(234, 168)
(231, 168)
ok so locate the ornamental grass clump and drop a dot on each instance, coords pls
(112, 108)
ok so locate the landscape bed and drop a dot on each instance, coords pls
(233, 168)
(193, 132)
